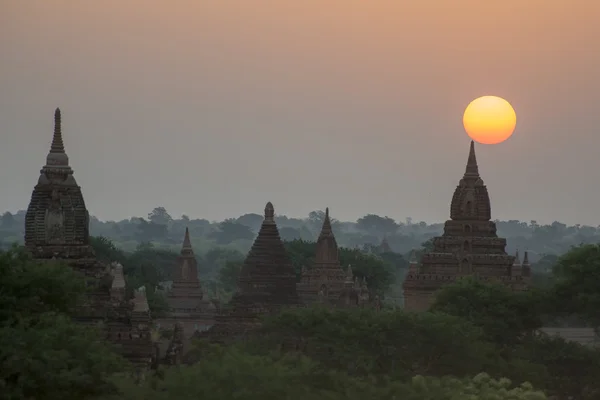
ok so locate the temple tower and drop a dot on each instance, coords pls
(267, 283)
(56, 223)
(57, 229)
(469, 246)
(385, 247)
(324, 282)
(188, 306)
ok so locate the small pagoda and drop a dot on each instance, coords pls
(57, 230)
(469, 246)
(189, 307)
(266, 285)
(325, 281)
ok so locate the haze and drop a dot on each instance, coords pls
(212, 108)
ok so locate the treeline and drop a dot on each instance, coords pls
(166, 232)
(479, 341)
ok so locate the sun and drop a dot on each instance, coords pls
(489, 120)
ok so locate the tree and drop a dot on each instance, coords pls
(288, 234)
(227, 373)
(229, 231)
(160, 216)
(481, 387)
(505, 316)
(7, 220)
(391, 342)
(374, 223)
(149, 231)
(35, 359)
(577, 279)
(106, 251)
(252, 221)
(229, 273)
(218, 257)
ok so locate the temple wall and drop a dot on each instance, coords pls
(416, 300)
(190, 324)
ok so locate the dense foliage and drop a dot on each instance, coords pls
(479, 341)
(35, 359)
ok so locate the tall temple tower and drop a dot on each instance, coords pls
(469, 246)
(56, 223)
(324, 282)
(189, 309)
(267, 283)
(57, 229)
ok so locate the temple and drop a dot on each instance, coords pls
(267, 284)
(469, 246)
(189, 307)
(324, 282)
(57, 230)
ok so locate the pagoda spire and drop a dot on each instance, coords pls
(326, 228)
(349, 276)
(269, 213)
(57, 156)
(413, 257)
(526, 259)
(57, 141)
(517, 258)
(472, 170)
(186, 239)
(187, 243)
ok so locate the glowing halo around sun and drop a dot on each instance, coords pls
(489, 120)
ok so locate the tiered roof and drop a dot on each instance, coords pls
(266, 284)
(57, 221)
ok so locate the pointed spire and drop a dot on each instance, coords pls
(326, 228)
(364, 283)
(269, 212)
(413, 257)
(57, 142)
(349, 275)
(517, 258)
(57, 156)
(472, 168)
(187, 243)
(526, 259)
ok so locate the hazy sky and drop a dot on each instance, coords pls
(213, 107)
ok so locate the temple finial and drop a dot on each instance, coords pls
(57, 156)
(526, 259)
(413, 257)
(517, 258)
(57, 142)
(187, 243)
(269, 212)
(326, 228)
(472, 168)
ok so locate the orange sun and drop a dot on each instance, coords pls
(489, 120)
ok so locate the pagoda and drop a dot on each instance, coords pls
(266, 285)
(469, 246)
(57, 230)
(188, 306)
(325, 281)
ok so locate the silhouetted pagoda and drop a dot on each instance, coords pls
(57, 229)
(324, 282)
(267, 283)
(188, 305)
(469, 246)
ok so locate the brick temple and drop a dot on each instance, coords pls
(267, 284)
(326, 282)
(469, 246)
(57, 229)
(189, 306)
